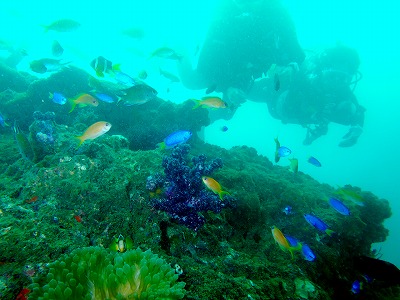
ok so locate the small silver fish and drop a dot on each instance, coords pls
(165, 52)
(62, 25)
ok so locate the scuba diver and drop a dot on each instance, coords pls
(251, 52)
(244, 39)
(318, 92)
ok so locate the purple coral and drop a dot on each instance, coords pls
(43, 134)
(43, 127)
(184, 195)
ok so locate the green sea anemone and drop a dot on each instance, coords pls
(97, 273)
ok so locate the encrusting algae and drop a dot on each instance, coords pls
(224, 248)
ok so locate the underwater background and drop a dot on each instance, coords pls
(69, 203)
(370, 29)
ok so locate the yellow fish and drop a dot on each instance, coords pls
(213, 185)
(350, 195)
(283, 242)
(83, 99)
(277, 146)
(294, 165)
(94, 131)
(212, 102)
(24, 145)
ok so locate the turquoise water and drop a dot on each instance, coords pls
(372, 163)
(371, 29)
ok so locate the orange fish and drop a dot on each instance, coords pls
(83, 99)
(213, 185)
(212, 102)
(94, 131)
(78, 218)
(33, 199)
(282, 241)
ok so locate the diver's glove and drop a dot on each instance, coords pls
(295, 66)
(351, 137)
(315, 132)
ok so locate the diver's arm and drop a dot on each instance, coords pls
(261, 90)
(356, 129)
(190, 77)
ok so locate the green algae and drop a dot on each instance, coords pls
(104, 183)
(305, 289)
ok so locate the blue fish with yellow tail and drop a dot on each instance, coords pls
(293, 242)
(176, 138)
(339, 206)
(306, 251)
(319, 224)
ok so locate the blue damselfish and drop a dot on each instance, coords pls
(175, 138)
(58, 98)
(284, 151)
(339, 206)
(308, 254)
(318, 223)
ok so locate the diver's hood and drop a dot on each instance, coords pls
(340, 59)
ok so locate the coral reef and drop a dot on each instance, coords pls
(232, 256)
(43, 134)
(96, 273)
(11, 79)
(145, 126)
(185, 197)
(72, 198)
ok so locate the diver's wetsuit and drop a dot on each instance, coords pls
(243, 41)
(321, 93)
